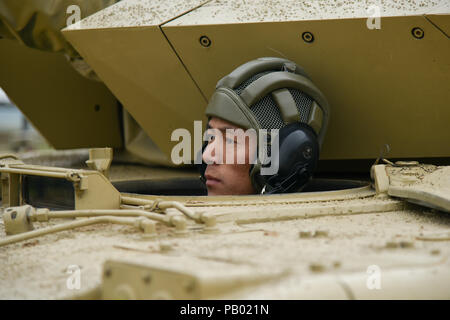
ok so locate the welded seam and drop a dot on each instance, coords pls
(183, 64)
(175, 51)
(182, 14)
(436, 26)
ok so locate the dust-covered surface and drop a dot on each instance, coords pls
(136, 13)
(423, 184)
(424, 177)
(287, 238)
(239, 11)
(141, 13)
(76, 159)
(38, 268)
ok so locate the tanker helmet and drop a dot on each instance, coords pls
(275, 93)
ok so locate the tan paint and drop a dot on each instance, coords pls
(57, 100)
(424, 184)
(382, 85)
(145, 74)
(381, 81)
(241, 11)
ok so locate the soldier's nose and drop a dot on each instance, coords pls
(208, 155)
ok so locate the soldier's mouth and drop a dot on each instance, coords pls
(211, 180)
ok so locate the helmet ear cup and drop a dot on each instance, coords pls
(296, 159)
(200, 164)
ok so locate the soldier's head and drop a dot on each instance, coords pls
(227, 144)
(266, 124)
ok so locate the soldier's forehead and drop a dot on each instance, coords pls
(221, 124)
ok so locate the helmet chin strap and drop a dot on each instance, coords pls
(300, 176)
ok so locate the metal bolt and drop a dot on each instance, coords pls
(316, 267)
(391, 245)
(307, 37)
(307, 152)
(305, 234)
(108, 273)
(165, 247)
(147, 279)
(321, 233)
(205, 41)
(406, 244)
(189, 285)
(418, 33)
(435, 252)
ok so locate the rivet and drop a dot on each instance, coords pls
(165, 247)
(391, 245)
(205, 41)
(108, 273)
(417, 33)
(305, 234)
(406, 244)
(189, 285)
(307, 37)
(147, 279)
(435, 252)
(316, 267)
(321, 233)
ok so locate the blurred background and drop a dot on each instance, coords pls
(17, 134)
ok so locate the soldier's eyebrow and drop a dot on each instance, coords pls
(222, 127)
(226, 128)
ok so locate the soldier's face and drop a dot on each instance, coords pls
(229, 159)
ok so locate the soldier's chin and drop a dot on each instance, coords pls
(213, 192)
(216, 191)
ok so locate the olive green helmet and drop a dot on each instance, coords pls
(269, 93)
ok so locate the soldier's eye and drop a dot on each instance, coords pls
(229, 141)
(210, 137)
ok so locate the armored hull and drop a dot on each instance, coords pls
(127, 231)
(355, 243)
